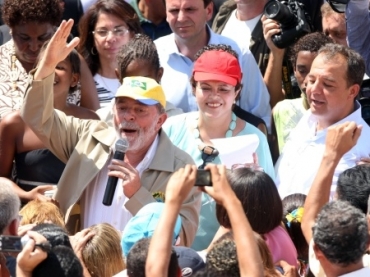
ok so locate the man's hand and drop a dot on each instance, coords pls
(31, 256)
(341, 138)
(270, 28)
(220, 190)
(180, 184)
(289, 270)
(57, 50)
(130, 176)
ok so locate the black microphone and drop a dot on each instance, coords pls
(121, 148)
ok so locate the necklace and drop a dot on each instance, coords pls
(228, 134)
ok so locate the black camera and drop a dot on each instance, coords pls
(293, 19)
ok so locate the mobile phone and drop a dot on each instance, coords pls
(203, 178)
(12, 243)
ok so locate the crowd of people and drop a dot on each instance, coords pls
(229, 137)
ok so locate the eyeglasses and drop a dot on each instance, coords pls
(117, 32)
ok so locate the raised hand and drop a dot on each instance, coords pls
(341, 138)
(57, 50)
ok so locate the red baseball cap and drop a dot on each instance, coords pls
(217, 65)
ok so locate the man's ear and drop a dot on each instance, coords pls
(209, 11)
(13, 227)
(319, 255)
(159, 75)
(354, 90)
(161, 119)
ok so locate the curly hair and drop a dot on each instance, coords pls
(118, 8)
(311, 42)
(341, 233)
(23, 11)
(140, 47)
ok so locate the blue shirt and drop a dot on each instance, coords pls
(179, 130)
(358, 29)
(178, 69)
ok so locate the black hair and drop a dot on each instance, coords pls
(205, 2)
(311, 42)
(60, 262)
(140, 47)
(55, 234)
(136, 259)
(354, 186)
(290, 203)
(259, 197)
(341, 233)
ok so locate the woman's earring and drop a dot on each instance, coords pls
(92, 51)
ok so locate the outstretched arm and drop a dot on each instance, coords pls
(339, 140)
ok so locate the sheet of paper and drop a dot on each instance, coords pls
(236, 150)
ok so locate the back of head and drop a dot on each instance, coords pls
(259, 197)
(311, 42)
(341, 233)
(9, 204)
(222, 259)
(56, 235)
(139, 48)
(355, 68)
(292, 218)
(354, 186)
(136, 259)
(60, 262)
(37, 212)
(102, 254)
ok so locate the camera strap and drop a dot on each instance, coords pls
(209, 153)
(287, 84)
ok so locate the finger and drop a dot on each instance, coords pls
(357, 133)
(22, 230)
(37, 237)
(193, 172)
(43, 188)
(73, 43)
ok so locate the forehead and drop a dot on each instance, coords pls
(33, 29)
(131, 102)
(111, 19)
(184, 3)
(335, 66)
(333, 19)
(306, 57)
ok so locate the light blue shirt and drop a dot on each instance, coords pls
(179, 130)
(178, 69)
(358, 29)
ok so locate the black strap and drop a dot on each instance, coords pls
(209, 153)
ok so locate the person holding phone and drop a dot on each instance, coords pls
(216, 83)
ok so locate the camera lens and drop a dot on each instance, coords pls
(272, 9)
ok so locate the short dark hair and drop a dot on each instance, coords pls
(60, 262)
(260, 199)
(341, 233)
(355, 63)
(140, 47)
(223, 258)
(205, 2)
(354, 186)
(290, 203)
(216, 47)
(136, 259)
(24, 11)
(311, 42)
(118, 8)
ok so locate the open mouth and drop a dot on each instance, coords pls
(128, 131)
(214, 105)
(316, 102)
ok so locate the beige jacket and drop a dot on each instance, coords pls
(85, 146)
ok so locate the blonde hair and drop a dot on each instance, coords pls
(326, 10)
(37, 212)
(102, 254)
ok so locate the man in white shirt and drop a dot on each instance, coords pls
(187, 19)
(87, 147)
(332, 86)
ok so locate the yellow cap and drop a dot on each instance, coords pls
(142, 89)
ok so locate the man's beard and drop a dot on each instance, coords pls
(142, 137)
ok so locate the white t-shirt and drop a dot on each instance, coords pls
(106, 88)
(240, 31)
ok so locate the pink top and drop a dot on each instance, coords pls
(281, 246)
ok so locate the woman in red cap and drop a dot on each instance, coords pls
(216, 83)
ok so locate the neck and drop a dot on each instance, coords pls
(27, 66)
(153, 15)
(108, 68)
(189, 47)
(335, 270)
(324, 123)
(210, 128)
(135, 157)
(248, 11)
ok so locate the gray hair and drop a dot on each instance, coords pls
(355, 63)
(9, 204)
(341, 233)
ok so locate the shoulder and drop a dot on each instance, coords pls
(12, 121)
(162, 41)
